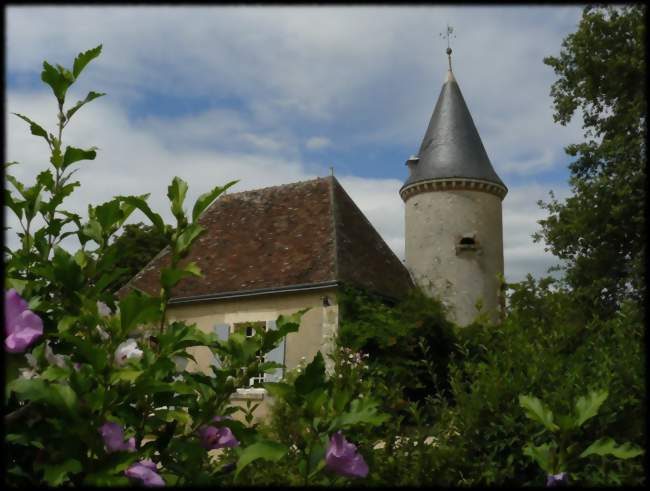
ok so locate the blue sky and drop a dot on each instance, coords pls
(271, 95)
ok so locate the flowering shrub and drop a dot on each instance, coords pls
(318, 416)
(96, 392)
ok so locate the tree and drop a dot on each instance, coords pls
(137, 245)
(598, 231)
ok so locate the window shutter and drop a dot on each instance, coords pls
(222, 331)
(276, 355)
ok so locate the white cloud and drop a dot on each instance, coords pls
(317, 143)
(520, 217)
(361, 75)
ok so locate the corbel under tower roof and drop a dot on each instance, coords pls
(451, 147)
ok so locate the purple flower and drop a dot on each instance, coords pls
(22, 326)
(145, 471)
(212, 437)
(113, 436)
(554, 480)
(342, 457)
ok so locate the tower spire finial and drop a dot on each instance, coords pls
(448, 35)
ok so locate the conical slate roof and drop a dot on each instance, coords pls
(451, 146)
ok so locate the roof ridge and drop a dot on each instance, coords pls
(335, 229)
(255, 190)
(362, 215)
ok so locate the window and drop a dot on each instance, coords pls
(467, 242)
(249, 329)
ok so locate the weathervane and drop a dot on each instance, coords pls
(448, 35)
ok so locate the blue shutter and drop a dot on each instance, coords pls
(276, 355)
(222, 331)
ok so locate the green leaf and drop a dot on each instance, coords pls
(54, 373)
(23, 439)
(362, 411)
(56, 474)
(59, 79)
(83, 59)
(140, 203)
(33, 201)
(124, 375)
(110, 214)
(46, 179)
(261, 450)
(170, 277)
(587, 407)
(35, 128)
(66, 270)
(15, 206)
(280, 390)
(95, 355)
(187, 237)
(137, 309)
(73, 154)
(313, 376)
(17, 184)
(93, 230)
(207, 198)
(38, 390)
(607, 446)
(543, 455)
(176, 192)
(536, 411)
(284, 325)
(317, 456)
(91, 96)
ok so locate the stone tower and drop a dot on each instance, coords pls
(454, 231)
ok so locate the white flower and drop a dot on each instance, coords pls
(31, 372)
(103, 309)
(102, 334)
(52, 359)
(340, 375)
(126, 350)
(298, 370)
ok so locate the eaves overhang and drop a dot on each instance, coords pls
(255, 292)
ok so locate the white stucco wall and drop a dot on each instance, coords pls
(435, 223)
(318, 328)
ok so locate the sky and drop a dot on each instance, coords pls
(273, 95)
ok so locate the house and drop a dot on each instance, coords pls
(280, 249)
(275, 251)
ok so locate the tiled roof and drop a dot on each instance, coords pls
(299, 234)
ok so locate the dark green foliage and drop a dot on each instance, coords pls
(138, 244)
(409, 343)
(541, 349)
(599, 231)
